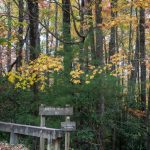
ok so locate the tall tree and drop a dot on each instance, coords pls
(1, 66)
(47, 21)
(148, 115)
(89, 30)
(135, 63)
(142, 57)
(130, 33)
(99, 61)
(67, 36)
(99, 32)
(82, 50)
(56, 26)
(33, 10)
(20, 33)
(9, 35)
(112, 42)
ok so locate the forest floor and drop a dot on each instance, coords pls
(6, 146)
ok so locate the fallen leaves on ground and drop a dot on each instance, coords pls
(5, 146)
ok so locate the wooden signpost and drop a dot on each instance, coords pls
(66, 126)
(55, 111)
(42, 124)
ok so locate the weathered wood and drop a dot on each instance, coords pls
(49, 144)
(53, 144)
(65, 126)
(67, 140)
(56, 144)
(42, 141)
(68, 126)
(67, 135)
(30, 130)
(52, 111)
(13, 138)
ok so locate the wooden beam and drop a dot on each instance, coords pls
(31, 130)
(52, 111)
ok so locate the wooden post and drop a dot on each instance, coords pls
(67, 136)
(53, 144)
(49, 143)
(56, 144)
(13, 138)
(42, 124)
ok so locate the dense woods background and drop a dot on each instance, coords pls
(91, 54)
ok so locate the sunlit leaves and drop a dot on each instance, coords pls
(142, 3)
(35, 72)
(76, 74)
(122, 67)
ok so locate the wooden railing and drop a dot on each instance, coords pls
(52, 135)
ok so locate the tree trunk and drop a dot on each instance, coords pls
(89, 31)
(130, 51)
(82, 50)
(56, 26)
(142, 57)
(99, 61)
(135, 63)
(34, 28)
(20, 34)
(99, 33)
(1, 66)
(47, 33)
(9, 36)
(148, 117)
(34, 39)
(112, 42)
(67, 37)
(27, 51)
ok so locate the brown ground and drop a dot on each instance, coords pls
(5, 146)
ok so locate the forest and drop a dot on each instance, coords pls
(92, 55)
